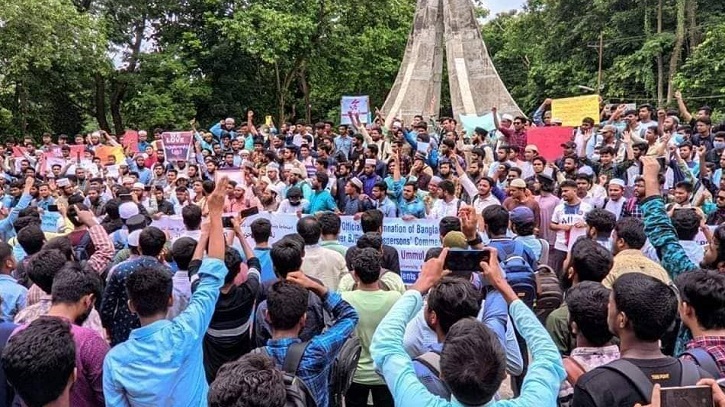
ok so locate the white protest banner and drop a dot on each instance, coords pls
(358, 105)
(412, 238)
(234, 174)
(177, 145)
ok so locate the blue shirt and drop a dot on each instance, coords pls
(321, 351)
(416, 208)
(540, 387)
(14, 297)
(387, 207)
(6, 225)
(344, 144)
(321, 201)
(162, 364)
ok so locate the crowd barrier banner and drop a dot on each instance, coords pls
(549, 140)
(571, 111)
(359, 105)
(412, 238)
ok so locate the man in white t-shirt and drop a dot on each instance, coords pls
(568, 222)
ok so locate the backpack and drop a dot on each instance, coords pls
(549, 295)
(640, 381)
(705, 360)
(298, 394)
(21, 274)
(80, 251)
(574, 370)
(343, 370)
(519, 274)
(432, 361)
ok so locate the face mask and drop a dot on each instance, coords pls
(595, 157)
(719, 144)
(679, 138)
(295, 203)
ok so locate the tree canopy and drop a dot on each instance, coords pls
(68, 66)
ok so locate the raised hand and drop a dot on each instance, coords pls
(215, 201)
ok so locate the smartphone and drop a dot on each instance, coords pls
(227, 222)
(52, 208)
(700, 396)
(663, 164)
(465, 262)
(245, 213)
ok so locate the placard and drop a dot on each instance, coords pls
(571, 111)
(549, 140)
(358, 105)
(177, 145)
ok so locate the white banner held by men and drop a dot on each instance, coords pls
(358, 105)
(412, 238)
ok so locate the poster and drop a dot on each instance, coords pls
(412, 239)
(355, 104)
(549, 140)
(103, 152)
(177, 145)
(571, 111)
(471, 121)
(234, 174)
(130, 140)
(49, 221)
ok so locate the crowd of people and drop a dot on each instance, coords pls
(601, 279)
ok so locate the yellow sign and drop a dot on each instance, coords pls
(268, 120)
(571, 111)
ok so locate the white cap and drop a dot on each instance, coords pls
(507, 117)
(370, 161)
(127, 180)
(617, 181)
(133, 238)
(273, 166)
(138, 185)
(128, 209)
(435, 180)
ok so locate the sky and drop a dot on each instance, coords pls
(497, 6)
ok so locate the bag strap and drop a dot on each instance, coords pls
(294, 357)
(705, 360)
(574, 369)
(634, 375)
(518, 249)
(690, 374)
(432, 361)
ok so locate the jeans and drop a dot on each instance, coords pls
(357, 395)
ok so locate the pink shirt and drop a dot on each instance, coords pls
(91, 349)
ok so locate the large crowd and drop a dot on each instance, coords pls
(599, 277)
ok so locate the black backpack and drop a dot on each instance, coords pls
(343, 370)
(640, 381)
(549, 295)
(705, 360)
(80, 251)
(298, 394)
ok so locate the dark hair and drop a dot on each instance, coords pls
(43, 266)
(590, 260)
(704, 291)
(602, 220)
(62, 244)
(310, 230)
(149, 290)
(452, 300)
(329, 223)
(373, 240)
(71, 283)
(449, 224)
(286, 255)
(286, 304)
(151, 241)
(496, 219)
(473, 362)
(382, 186)
(367, 263)
(649, 304)
(261, 230)
(523, 228)
(588, 303)
(371, 220)
(684, 185)
(191, 215)
(686, 223)
(31, 238)
(250, 381)
(322, 178)
(40, 360)
(182, 251)
(447, 186)
(631, 230)
(233, 262)
(607, 150)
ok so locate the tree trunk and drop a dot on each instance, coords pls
(120, 82)
(100, 103)
(677, 50)
(306, 92)
(660, 60)
(21, 95)
(694, 31)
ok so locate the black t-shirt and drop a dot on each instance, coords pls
(605, 388)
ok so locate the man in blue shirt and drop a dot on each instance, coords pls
(162, 362)
(12, 295)
(287, 308)
(320, 199)
(137, 165)
(472, 359)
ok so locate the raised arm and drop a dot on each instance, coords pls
(682, 107)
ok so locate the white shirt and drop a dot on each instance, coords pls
(441, 208)
(325, 265)
(615, 207)
(285, 207)
(563, 215)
